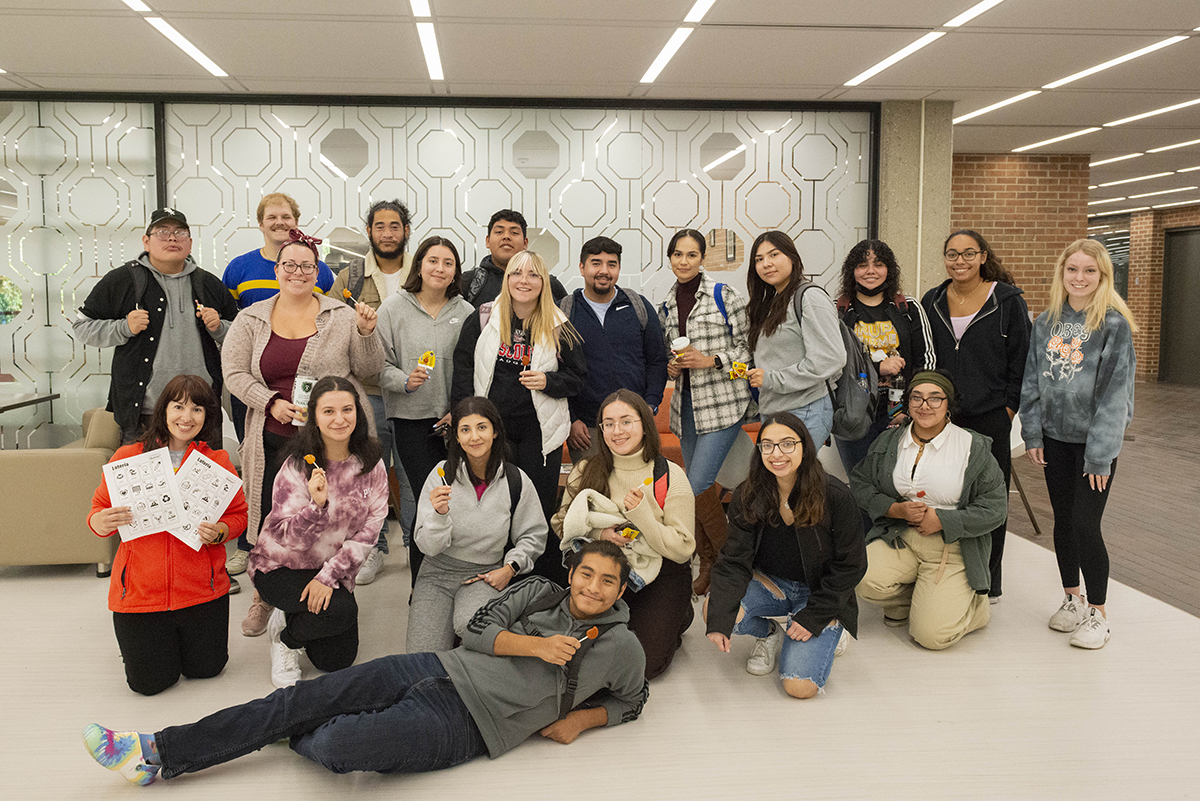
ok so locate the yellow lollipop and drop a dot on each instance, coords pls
(427, 360)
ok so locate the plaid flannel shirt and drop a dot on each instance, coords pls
(717, 401)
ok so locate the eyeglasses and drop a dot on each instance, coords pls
(933, 402)
(289, 267)
(608, 426)
(178, 234)
(966, 255)
(787, 446)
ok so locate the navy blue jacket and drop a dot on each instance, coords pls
(619, 354)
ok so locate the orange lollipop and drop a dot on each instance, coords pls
(348, 296)
(590, 634)
(442, 476)
(311, 459)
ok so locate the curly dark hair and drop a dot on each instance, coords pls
(859, 254)
(993, 268)
(760, 490)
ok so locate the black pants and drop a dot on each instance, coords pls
(273, 445)
(525, 449)
(159, 647)
(330, 637)
(238, 410)
(419, 455)
(1078, 508)
(660, 613)
(995, 424)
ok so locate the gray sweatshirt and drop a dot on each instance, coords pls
(1078, 385)
(800, 356)
(179, 351)
(510, 698)
(407, 331)
(476, 529)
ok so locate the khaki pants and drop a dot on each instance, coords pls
(926, 582)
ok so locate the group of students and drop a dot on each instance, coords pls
(918, 531)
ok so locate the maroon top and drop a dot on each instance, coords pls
(685, 299)
(279, 363)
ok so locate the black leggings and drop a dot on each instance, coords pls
(995, 424)
(525, 446)
(159, 647)
(1078, 543)
(419, 454)
(330, 637)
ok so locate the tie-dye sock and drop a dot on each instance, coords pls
(120, 751)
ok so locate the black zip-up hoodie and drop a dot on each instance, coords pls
(988, 363)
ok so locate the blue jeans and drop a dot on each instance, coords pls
(811, 660)
(703, 454)
(383, 427)
(397, 714)
(817, 418)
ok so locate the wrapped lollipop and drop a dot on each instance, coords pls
(739, 370)
(427, 361)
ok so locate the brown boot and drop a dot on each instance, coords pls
(711, 525)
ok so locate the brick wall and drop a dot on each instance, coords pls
(1147, 236)
(714, 256)
(1028, 207)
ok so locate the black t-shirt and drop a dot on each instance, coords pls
(779, 553)
(876, 331)
(512, 399)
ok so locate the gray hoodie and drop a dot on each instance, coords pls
(1078, 385)
(510, 697)
(800, 356)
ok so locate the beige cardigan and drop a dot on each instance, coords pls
(336, 349)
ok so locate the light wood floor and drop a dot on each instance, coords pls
(1011, 712)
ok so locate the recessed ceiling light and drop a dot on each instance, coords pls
(433, 61)
(1110, 200)
(1172, 147)
(699, 10)
(1175, 107)
(1062, 138)
(1117, 211)
(183, 44)
(972, 12)
(932, 36)
(420, 8)
(668, 52)
(138, 5)
(994, 106)
(1118, 158)
(1178, 203)
(1189, 169)
(1139, 178)
(1114, 62)
(1164, 192)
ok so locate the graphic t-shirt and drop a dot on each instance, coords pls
(877, 333)
(512, 399)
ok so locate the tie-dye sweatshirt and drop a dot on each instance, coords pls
(334, 539)
(1078, 385)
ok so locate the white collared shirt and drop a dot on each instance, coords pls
(938, 479)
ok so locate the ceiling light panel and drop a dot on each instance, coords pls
(698, 11)
(1116, 159)
(668, 52)
(899, 55)
(1173, 147)
(183, 44)
(1154, 113)
(1062, 138)
(1114, 62)
(433, 61)
(1164, 192)
(138, 6)
(1135, 180)
(420, 8)
(994, 106)
(971, 13)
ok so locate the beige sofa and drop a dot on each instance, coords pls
(47, 494)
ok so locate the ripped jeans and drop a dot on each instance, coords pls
(770, 596)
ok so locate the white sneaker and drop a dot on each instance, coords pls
(370, 567)
(236, 563)
(766, 652)
(1068, 617)
(1093, 632)
(285, 662)
(843, 642)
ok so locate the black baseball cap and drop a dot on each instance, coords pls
(159, 215)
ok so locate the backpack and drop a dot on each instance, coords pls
(857, 393)
(635, 300)
(141, 279)
(719, 298)
(567, 702)
(356, 273)
(513, 474)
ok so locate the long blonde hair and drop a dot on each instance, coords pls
(543, 324)
(1104, 298)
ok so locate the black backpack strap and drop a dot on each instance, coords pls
(141, 279)
(567, 702)
(512, 474)
(478, 277)
(541, 605)
(358, 273)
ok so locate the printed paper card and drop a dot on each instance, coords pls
(206, 490)
(146, 484)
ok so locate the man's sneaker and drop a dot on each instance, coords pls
(285, 662)
(234, 587)
(894, 622)
(370, 567)
(1068, 617)
(1093, 632)
(120, 751)
(235, 565)
(256, 619)
(843, 642)
(766, 652)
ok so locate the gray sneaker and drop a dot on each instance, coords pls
(370, 567)
(1072, 612)
(766, 652)
(1093, 632)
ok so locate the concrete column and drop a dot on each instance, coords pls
(915, 159)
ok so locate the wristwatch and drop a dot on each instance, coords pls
(718, 363)
(515, 568)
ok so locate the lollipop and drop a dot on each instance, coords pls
(525, 359)
(648, 481)
(629, 533)
(738, 370)
(348, 296)
(199, 306)
(590, 634)
(311, 459)
(442, 476)
(427, 361)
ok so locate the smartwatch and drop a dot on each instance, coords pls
(718, 362)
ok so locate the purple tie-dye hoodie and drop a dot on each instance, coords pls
(334, 540)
